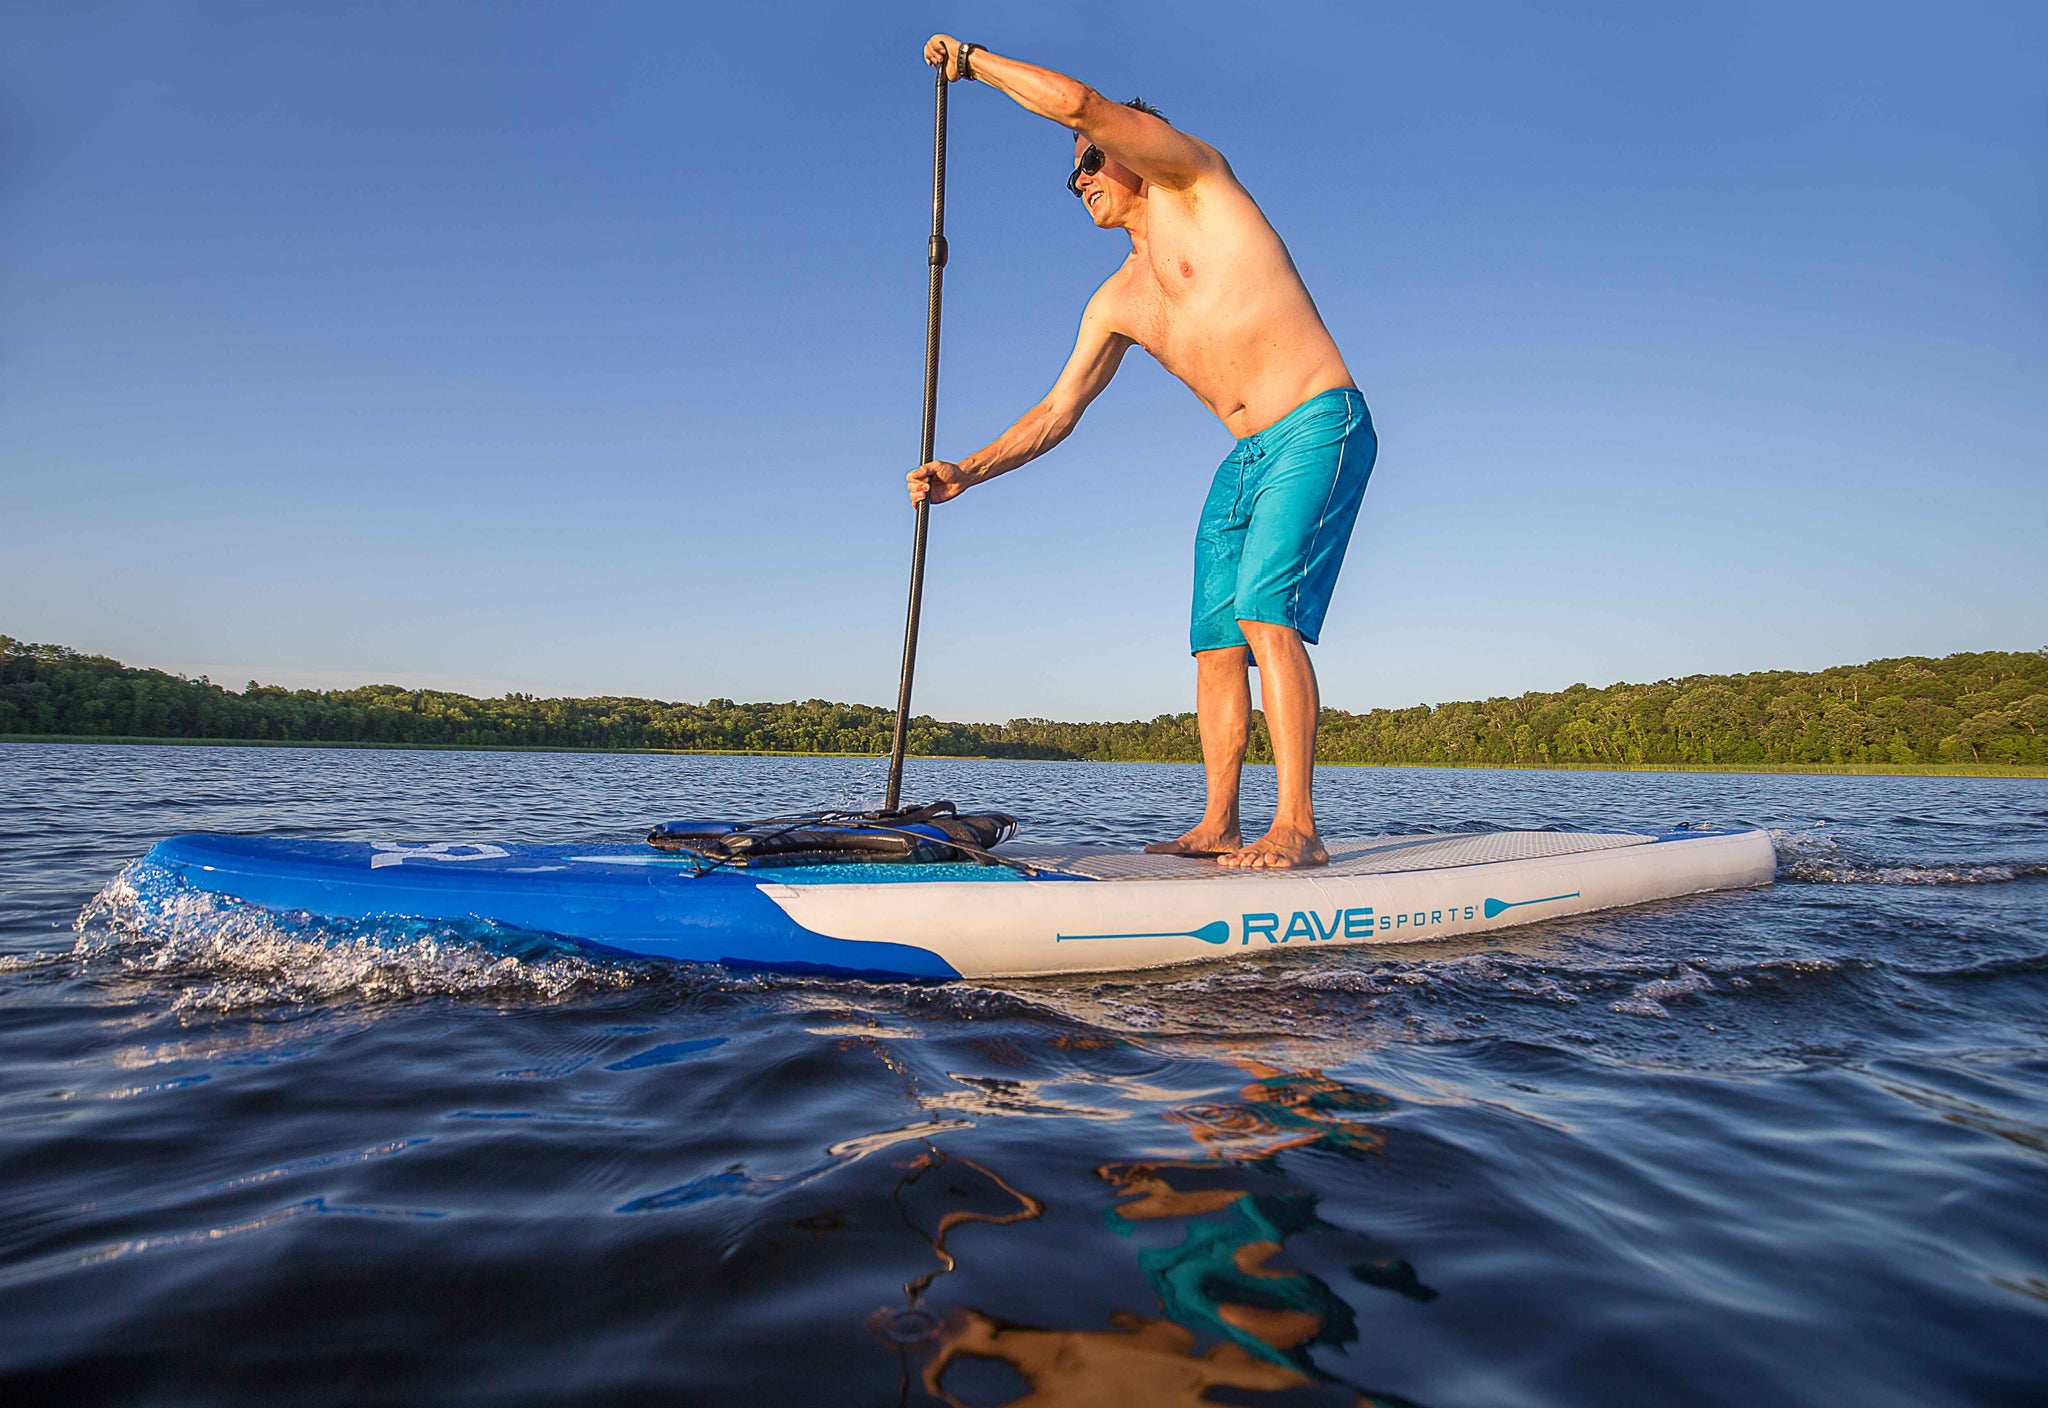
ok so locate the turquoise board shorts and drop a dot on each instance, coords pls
(1278, 519)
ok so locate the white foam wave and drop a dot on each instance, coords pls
(1812, 858)
(226, 955)
(1824, 872)
(11, 963)
(1648, 999)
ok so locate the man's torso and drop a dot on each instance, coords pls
(1213, 295)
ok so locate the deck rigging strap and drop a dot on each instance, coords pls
(936, 832)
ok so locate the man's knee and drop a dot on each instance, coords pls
(1224, 658)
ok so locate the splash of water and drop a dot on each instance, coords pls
(224, 955)
(1814, 858)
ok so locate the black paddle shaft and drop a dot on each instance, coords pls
(937, 256)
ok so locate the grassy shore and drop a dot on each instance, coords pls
(1810, 769)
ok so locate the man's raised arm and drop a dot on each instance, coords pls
(1098, 351)
(1154, 149)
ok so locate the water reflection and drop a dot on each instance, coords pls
(946, 1174)
(1140, 1361)
(1282, 1109)
(1219, 1280)
(1221, 1285)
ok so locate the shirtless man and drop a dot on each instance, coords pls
(1209, 290)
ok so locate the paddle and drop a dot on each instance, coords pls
(937, 256)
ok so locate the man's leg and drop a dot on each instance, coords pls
(1287, 692)
(1223, 708)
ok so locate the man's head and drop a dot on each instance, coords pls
(1109, 189)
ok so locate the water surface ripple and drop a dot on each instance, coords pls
(1786, 1146)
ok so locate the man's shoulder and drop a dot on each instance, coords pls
(1219, 181)
(1217, 207)
(1111, 293)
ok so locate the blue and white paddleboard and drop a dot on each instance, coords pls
(1090, 909)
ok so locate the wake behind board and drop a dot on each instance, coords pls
(1088, 909)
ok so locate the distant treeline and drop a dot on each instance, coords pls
(1988, 708)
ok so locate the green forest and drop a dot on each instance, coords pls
(1989, 708)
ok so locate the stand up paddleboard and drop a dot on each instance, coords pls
(1086, 909)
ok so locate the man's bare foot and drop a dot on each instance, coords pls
(1279, 850)
(1201, 842)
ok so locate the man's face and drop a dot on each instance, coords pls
(1111, 193)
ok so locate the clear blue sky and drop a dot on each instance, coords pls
(577, 348)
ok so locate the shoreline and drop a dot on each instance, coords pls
(2013, 770)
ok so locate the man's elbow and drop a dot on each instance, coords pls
(1077, 104)
(1057, 420)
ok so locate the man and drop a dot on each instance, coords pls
(1210, 291)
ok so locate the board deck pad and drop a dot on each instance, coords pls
(1369, 855)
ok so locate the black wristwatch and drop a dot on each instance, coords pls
(961, 67)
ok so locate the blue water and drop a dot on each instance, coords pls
(1786, 1146)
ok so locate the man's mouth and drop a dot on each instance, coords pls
(1090, 199)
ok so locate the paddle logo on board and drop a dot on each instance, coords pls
(398, 853)
(1496, 908)
(1311, 926)
(1215, 932)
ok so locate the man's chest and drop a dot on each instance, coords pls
(1166, 292)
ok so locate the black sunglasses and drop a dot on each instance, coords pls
(1090, 163)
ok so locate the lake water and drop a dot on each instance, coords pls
(1785, 1146)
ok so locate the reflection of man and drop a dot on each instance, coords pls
(1219, 1284)
(1284, 1109)
(1218, 1280)
(1138, 1361)
(1210, 291)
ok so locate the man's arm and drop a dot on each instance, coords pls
(1098, 351)
(1154, 149)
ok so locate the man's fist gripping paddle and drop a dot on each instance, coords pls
(1209, 290)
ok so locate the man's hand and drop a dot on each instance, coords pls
(937, 482)
(943, 51)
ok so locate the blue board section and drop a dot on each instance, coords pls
(622, 899)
